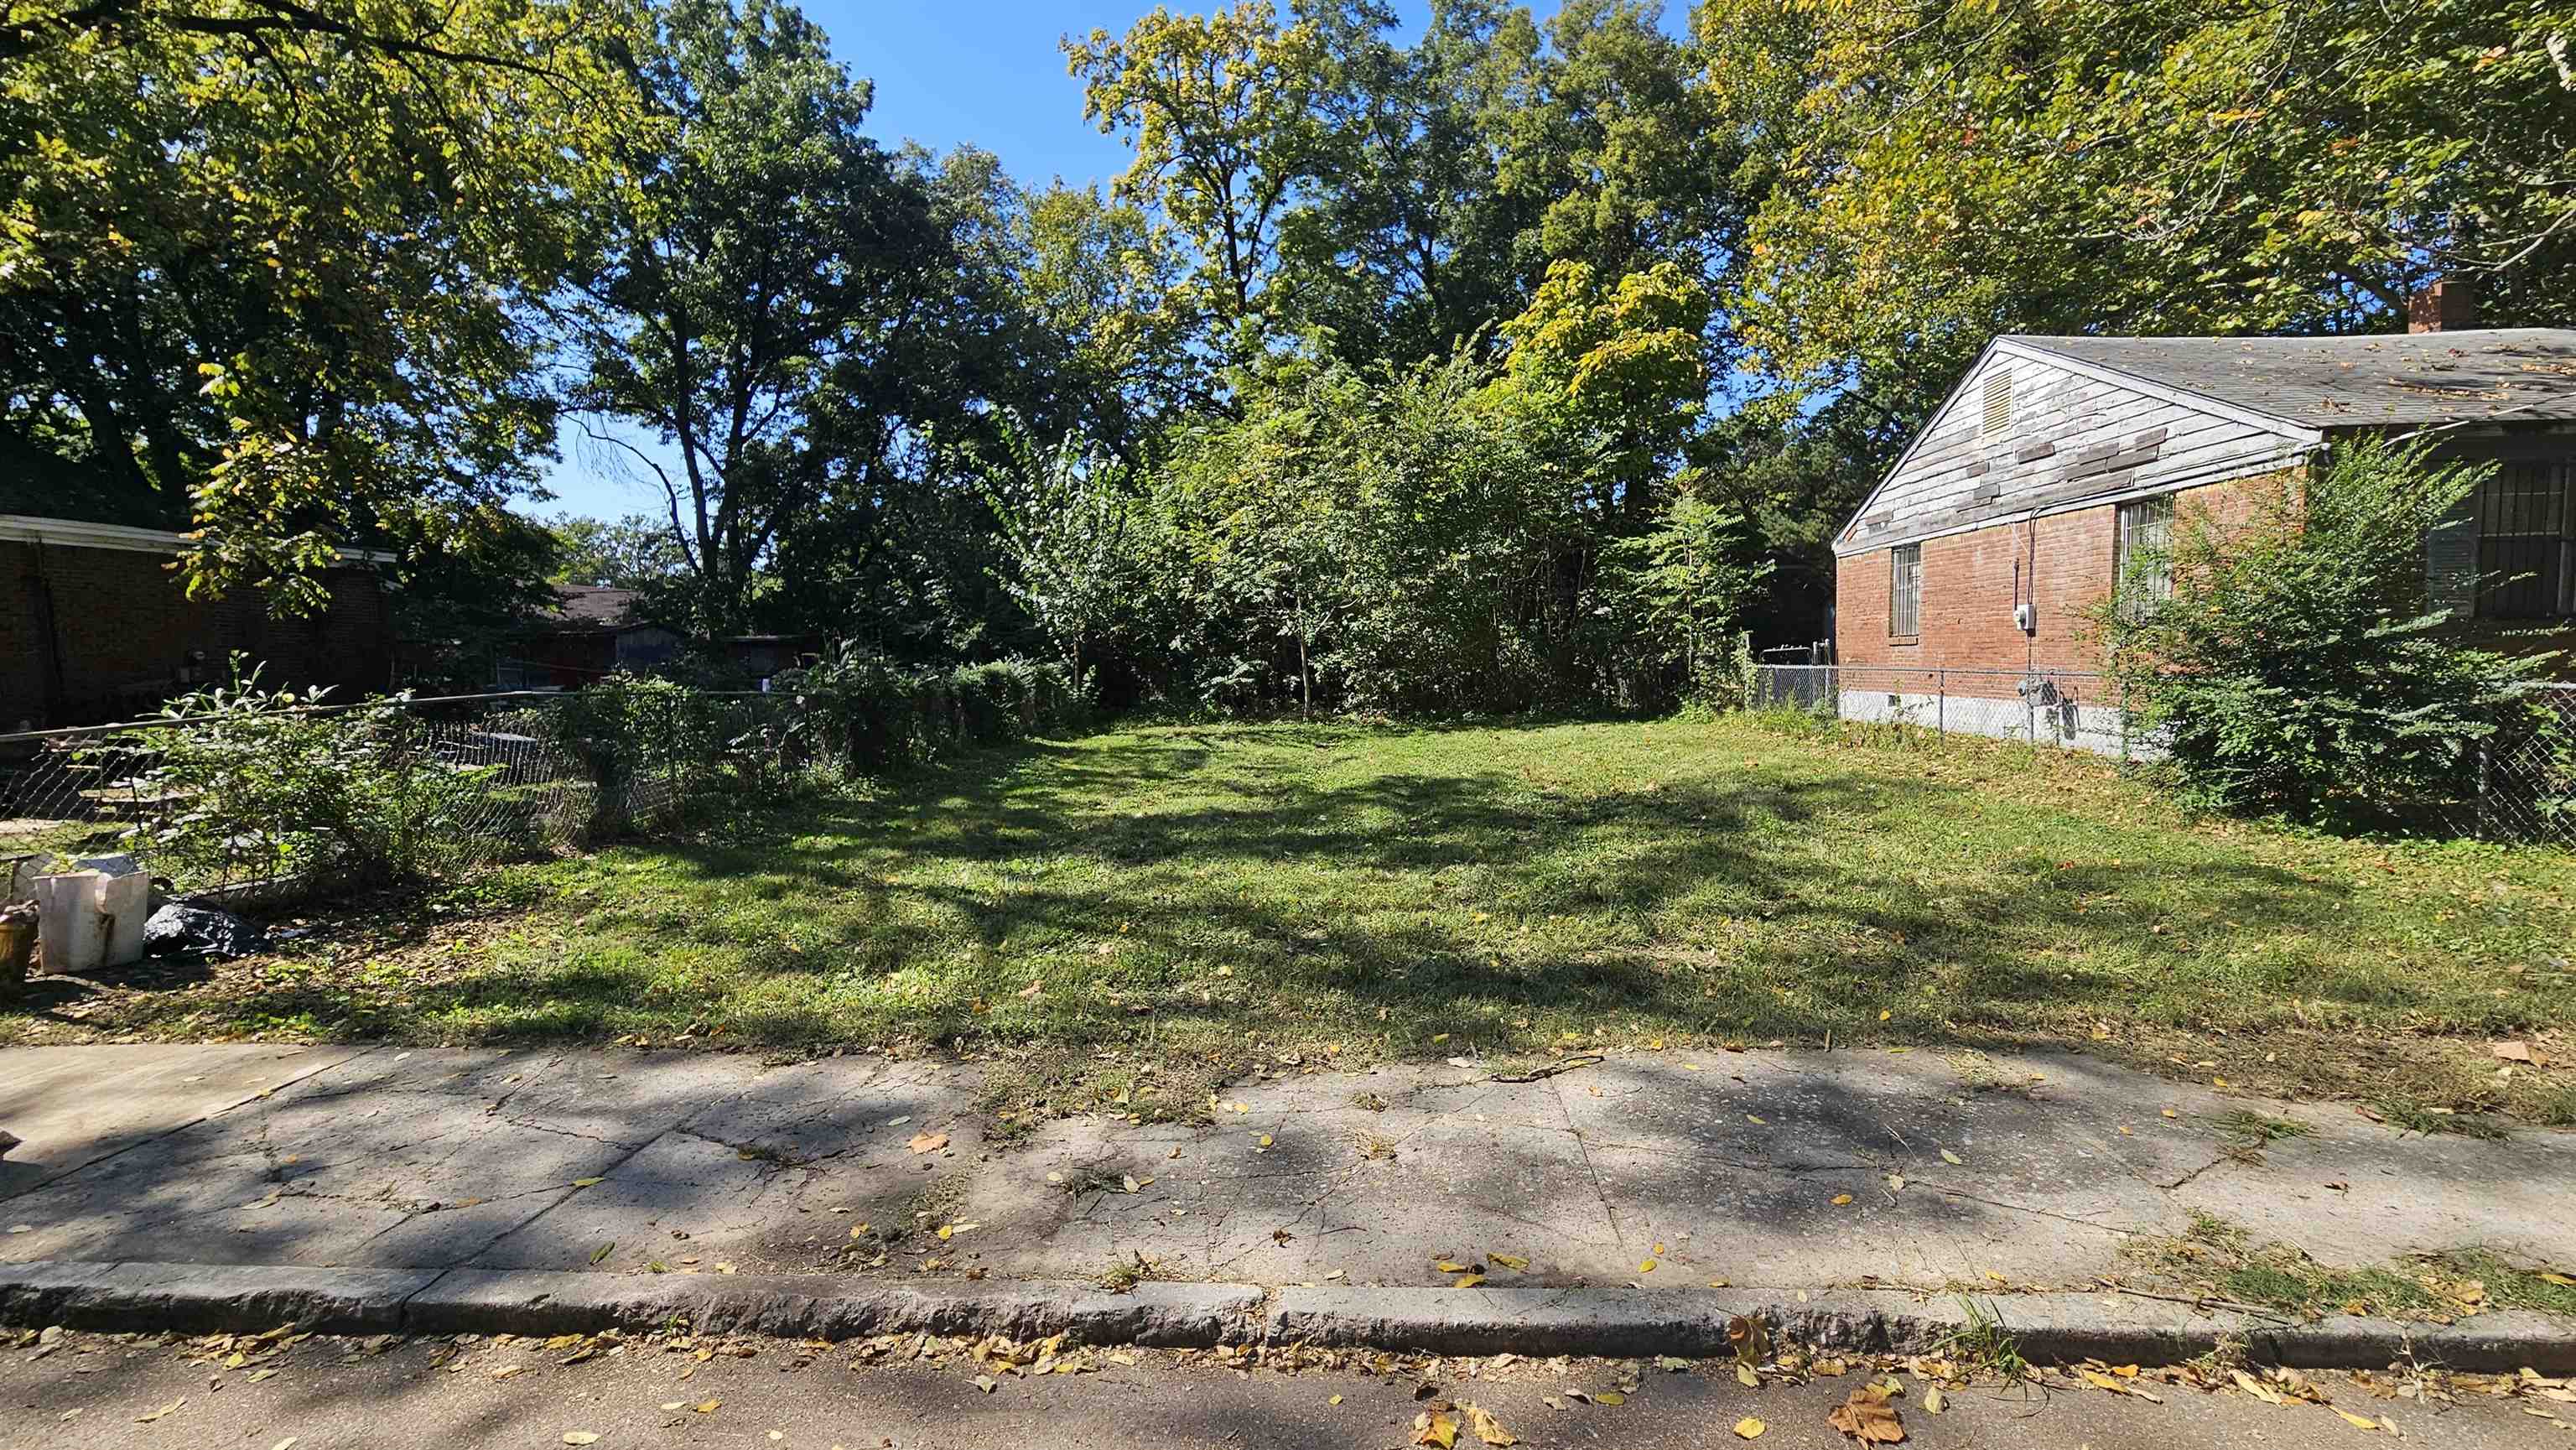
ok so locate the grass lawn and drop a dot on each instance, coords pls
(1182, 898)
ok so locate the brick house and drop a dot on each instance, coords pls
(94, 625)
(1962, 581)
(594, 630)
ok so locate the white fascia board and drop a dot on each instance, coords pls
(80, 534)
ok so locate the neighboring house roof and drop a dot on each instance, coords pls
(586, 608)
(2107, 418)
(2356, 381)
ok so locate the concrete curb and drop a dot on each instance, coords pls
(2049, 1328)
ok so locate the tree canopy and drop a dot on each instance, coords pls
(1418, 364)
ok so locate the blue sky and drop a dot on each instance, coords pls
(949, 72)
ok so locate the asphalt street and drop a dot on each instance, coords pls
(142, 1392)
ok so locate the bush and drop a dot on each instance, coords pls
(2297, 666)
(858, 712)
(251, 784)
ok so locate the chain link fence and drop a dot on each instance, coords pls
(2524, 787)
(2070, 708)
(248, 803)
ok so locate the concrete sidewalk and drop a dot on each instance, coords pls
(1797, 1170)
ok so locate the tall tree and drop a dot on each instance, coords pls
(1223, 112)
(276, 267)
(755, 255)
(1938, 171)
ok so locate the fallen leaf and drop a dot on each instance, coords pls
(580, 1437)
(1489, 1429)
(586, 1182)
(675, 1404)
(1467, 1281)
(707, 1407)
(1646, 1266)
(2561, 1280)
(1934, 1402)
(985, 1383)
(2356, 1421)
(602, 1252)
(927, 1142)
(1841, 1199)
(1516, 1263)
(1452, 1266)
(1432, 1427)
(1332, 1399)
(157, 1414)
(1610, 1397)
(1749, 1428)
(1748, 1117)
(2512, 1051)
(1748, 1376)
(1951, 1158)
(261, 1374)
(507, 1370)
(1866, 1417)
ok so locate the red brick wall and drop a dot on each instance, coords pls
(124, 628)
(1967, 603)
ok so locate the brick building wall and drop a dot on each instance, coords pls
(94, 633)
(2068, 562)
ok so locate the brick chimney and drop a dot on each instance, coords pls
(2446, 306)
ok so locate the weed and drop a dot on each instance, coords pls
(2250, 1129)
(1368, 1102)
(2413, 1115)
(1376, 1147)
(1984, 1342)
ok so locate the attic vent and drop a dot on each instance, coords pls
(1998, 416)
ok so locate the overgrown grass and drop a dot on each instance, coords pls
(2218, 1258)
(1186, 897)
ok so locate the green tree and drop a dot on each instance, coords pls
(1936, 172)
(278, 268)
(1063, 517)
(1223, 113)
(632, 552)
(1621, 367)
(754, 260)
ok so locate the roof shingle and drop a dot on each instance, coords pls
(2522, 374)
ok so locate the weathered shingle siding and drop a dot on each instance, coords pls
(2074, 438)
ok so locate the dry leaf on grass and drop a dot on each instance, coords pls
(2513, 1051)
(1868, 1418)
(927, 1142)
(1487, 1428)
(1749, 1428)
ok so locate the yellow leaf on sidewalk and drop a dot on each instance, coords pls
(1749, 1428)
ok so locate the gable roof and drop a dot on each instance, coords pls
(585, 607)
(2522, 374)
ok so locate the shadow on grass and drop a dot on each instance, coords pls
(1306, 883)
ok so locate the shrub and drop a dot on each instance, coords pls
(248, 783)
(2297, 666)
(857, 711)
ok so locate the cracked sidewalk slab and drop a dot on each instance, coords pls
(1715, 1166)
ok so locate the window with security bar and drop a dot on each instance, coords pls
(1905, 591)
(2141, 561)
(2527, 542)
